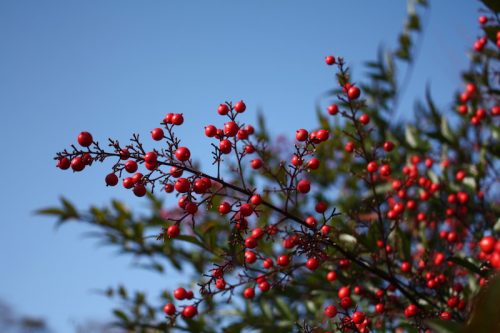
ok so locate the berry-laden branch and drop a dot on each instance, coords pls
(395, 255)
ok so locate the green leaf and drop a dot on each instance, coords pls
(445, 326)
(494, 5)
(466, 263)
(411, 136)
(121, 315)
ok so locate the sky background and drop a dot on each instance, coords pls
(116, 67)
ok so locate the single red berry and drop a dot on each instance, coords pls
(128, 183)
(353, 92)
(358, 317)
(385, 170)
(224, 207)
(346, 302)
(111, 179)
(210, 131)
(169, 309)
(388, 146)
(264, 286)
(177, 119)
(322, 135)
(242, 134)
(77, 164)
(330, 311)
(131, 166)
(182, 185)
(405, 267)
(249, 293)
(250, 242)
(313, 163)
(411, 310)
(379, 308)
(312, 263)
(321, 207)
(191, 208)
(364, 119)
(344, 292)
(256, 199)
(182, 154)
(331, 276)
(220, 284)
(246, 210)
(333, 109)
(372, 167)
(330, 60)
(483, 19)
(63, 163)
(157, 134)
(301, 135)
(349, 147)
(189, 311)
(231, 128)
(240, 107)
(250, 257)
(225, 146)
(173, 231)
(303, 186)
(85, 139)
(256, 163)
(180, 294)
(487, 244)
(139, 190)
(283, 260)
(223, 109)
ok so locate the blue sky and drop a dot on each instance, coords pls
(116, 67)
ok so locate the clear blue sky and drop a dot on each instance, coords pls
(116, 67)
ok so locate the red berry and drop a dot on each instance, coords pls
(385, 170)
(256, 199)
(487, 244)
(177, 119)
(128, 182)
(353, 92)
(250, 242)
(330, 311)
(331, 276)
(344, 292)
(379, 308)
(223, 109)
(411, 310)
(182, 185)
(85, 139)
(180, 294)
(231, 128)
(225, 146)
(246, 210)
(139, 190)
(313, 163)
(303, 186)
(249, 293)
(182, 154)
(364, 119)
(349, 147)
(257, 233)
(405, 267)
(63, 163)
(333, 109)
(322, 135)
(169, 309)
(131, 166)
(77, 164)
(482, 19)
(240, 107)
(250, 257)
(189, 311)
(321, 207)
(220, 284)
(330, 60)
(264, 286)
(301, 135)
(346, 302)
(157, 134)
(388, 146)
(224, 208)
(256, 163)
(210, 131)
(312, 263)
(111, 179)
(283, 260)
(358, 317)
(372, 167)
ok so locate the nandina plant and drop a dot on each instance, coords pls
(358, 225)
